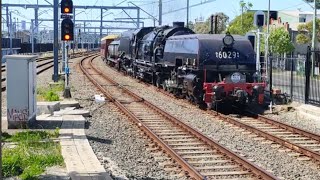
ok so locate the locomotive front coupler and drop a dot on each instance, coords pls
(241, 95)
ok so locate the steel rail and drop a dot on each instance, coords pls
(192, 172)
(288, 144)
(260, 173)
(3, 67)
(271, 137)
(287, 127)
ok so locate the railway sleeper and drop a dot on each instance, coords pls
(203, 156)
(181, 153)
(225, 173)
(182, 140)
(191, 148)
(307, 142)
(188, 144)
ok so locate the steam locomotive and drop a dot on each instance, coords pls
(207, 69)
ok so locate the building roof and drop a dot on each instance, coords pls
(296, 13)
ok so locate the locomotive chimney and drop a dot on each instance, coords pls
(213, 24)
(178, 24)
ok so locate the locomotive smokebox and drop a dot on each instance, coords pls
(178, 24)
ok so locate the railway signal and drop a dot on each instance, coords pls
(67, 24)
(252, 38)
(66, 7)
(259, 18)
(67, 30)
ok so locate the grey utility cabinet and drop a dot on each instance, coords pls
(21, 90)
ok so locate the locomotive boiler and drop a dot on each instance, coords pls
(211, 68)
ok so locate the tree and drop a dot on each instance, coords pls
(245, 6)
(305, 32)
(280, 41)
(204, 27)
(303, 39)
(236, 27)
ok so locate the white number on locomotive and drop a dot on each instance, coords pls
(227, 55)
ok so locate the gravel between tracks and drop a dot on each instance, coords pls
(293, 118)
(118, 143)
(279, 163)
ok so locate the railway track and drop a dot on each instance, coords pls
(40, 67)
(306, 145)
(198, 155)
(78, 54)
(3, 67)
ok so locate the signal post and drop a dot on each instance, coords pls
(259, 18)
(67, 35)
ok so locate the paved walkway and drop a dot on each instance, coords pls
(81, 162)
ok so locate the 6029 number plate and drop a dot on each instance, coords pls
(227, 55)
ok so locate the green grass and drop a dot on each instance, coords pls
(50, 93)
(30, 136)
(58, 87)
(30, 157)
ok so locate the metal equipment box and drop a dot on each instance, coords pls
(21, 90)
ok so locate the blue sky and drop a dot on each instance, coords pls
(229, 7)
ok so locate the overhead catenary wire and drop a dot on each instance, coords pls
(194, 5)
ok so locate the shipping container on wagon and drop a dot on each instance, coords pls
(105, 41)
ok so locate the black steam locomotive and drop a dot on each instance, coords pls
(204, 68)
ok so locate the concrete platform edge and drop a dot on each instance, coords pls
(80, 160)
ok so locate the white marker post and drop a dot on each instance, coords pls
(258, 51)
